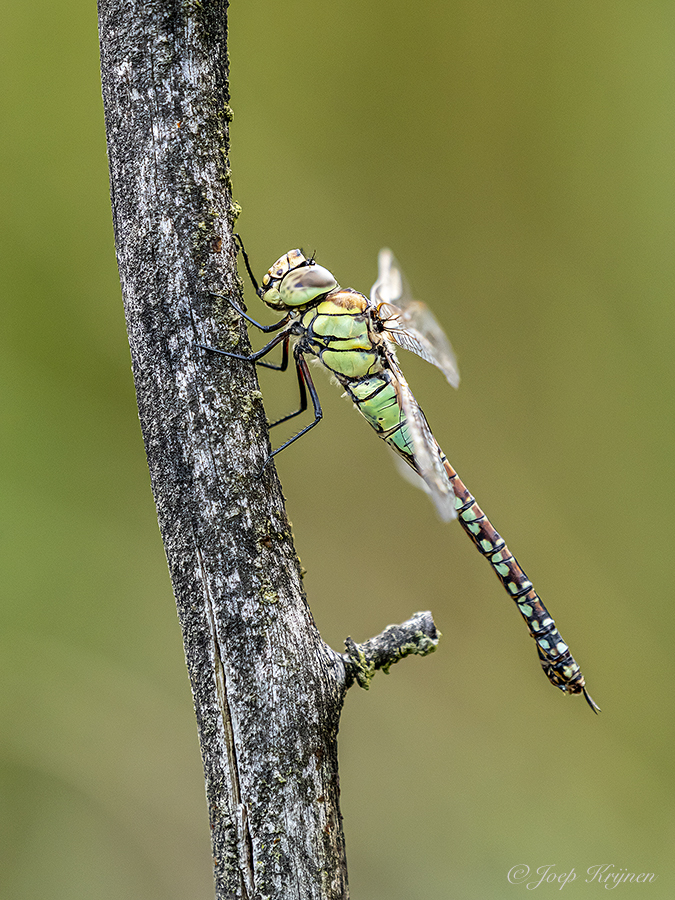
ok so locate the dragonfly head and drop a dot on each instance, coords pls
(295, 281)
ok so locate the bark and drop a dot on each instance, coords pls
(267, 690)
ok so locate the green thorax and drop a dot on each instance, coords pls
(338, 331)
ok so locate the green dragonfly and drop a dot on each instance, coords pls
(355, 338)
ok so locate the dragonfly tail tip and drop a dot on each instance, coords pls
(591, 702)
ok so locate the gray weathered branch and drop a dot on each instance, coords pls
(267, 690)
(417, 635)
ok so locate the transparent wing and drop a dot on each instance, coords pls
(408, 474)
(426, 452)
(408, 322)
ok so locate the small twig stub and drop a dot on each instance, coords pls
(417, 635)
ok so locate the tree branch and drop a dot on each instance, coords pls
(417, 635)
(267, 690)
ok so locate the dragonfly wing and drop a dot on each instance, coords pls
(409, 474)
(408, 322)
(426, 452)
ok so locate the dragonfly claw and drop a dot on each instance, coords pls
(260, 474)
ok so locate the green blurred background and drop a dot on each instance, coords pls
(519, 159)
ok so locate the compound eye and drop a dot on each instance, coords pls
(304, 284)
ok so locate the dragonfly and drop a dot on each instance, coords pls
(356, 337)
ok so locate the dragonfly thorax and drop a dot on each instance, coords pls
(295, 281)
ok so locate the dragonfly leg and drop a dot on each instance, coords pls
(254, 357)
(283, 365)
(303, 396)
(240, 241)
(305, 379)
(264, 328)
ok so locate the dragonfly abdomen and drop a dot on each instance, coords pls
(376, 399)
(560, 667)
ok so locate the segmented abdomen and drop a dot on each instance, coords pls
(556, 660)
(376, 399)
